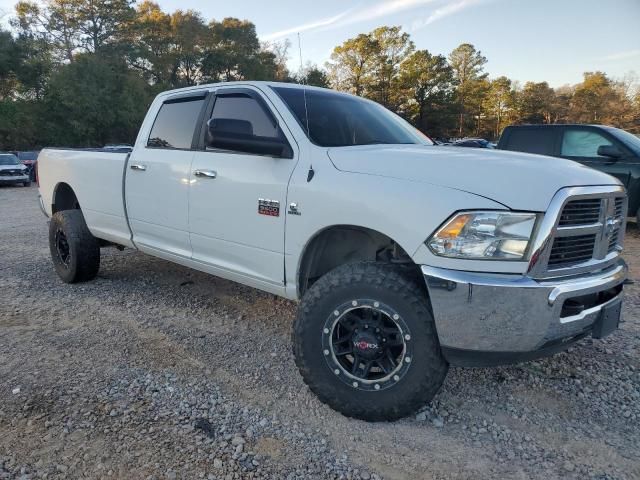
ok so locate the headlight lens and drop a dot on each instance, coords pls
(484, 235)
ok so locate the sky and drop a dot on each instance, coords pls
(526, 40)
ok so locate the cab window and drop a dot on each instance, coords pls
(175, 123)
(582, 143)
(240, 113)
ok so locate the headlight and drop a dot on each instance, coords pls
(484, 235)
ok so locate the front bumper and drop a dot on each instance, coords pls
(14, 179)
(490, 319)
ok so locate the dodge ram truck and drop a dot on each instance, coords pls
(405, 257)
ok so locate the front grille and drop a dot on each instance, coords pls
(581, 212)
(10, 173)
(618, 217)
(584, 230)
(568, 251)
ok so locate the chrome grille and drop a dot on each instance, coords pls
(583, 229)
(567, 251)
(618, 222)
(581, 212)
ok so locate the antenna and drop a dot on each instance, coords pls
(304, 86)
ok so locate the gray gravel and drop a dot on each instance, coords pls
(156, 371)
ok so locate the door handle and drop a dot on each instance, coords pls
(139, 167)
(205, 173)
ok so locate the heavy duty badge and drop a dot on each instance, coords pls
(267, 207)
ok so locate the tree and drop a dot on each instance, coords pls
(9, 63)
(54, 23)
(233, 52)
(76, 25)
(391, 48)
(94, 101)
(500, 101)
(152, 38)
(598, 99)
(314, 76)
(351, 64)
(188, 33)
(536, 103)
(467, 64)
(426, 87)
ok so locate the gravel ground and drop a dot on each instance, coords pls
(156, 371)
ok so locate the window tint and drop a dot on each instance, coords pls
(338, 120)
(531, 140)
(582, 143)
(175, 123)
(240, 113)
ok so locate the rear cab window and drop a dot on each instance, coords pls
(176, 123)
(531, 140)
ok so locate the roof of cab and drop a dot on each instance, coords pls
(241, 83)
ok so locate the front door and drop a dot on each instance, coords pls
(581, 144)
(157, 179)
(237, 201)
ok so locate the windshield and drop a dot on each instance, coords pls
(9, 159)
(338, 120)
(628, 138)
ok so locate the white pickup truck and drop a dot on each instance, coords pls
(406, 257)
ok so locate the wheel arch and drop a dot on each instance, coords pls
(336, 245)
(64, 198)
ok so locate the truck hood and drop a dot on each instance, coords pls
(519, 181)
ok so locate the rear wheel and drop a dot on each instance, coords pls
(365, 342)
(74, 251)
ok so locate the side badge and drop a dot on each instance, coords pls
(271, 208)
(294, 209)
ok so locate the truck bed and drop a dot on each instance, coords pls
(97, 178)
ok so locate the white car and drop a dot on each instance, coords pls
(405, 257)
(12, 171)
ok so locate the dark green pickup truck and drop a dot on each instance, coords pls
(607, 149)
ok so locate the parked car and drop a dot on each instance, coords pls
(12, 171)
(608, 149)
(405, 257)
(474, 143)
(29, 159)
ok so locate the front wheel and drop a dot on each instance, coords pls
(74, 251)
(365, 342)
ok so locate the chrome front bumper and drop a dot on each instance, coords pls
(515, 314)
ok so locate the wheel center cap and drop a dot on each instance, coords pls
(367, 345)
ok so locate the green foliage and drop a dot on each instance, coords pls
(425, 92)
(94, 101)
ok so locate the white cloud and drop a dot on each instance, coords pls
(306, 27)
(449, 8)
(357, 14)
(621, 55)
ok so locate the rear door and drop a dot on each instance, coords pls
(158, 175)
(237, 201)
(581, 143)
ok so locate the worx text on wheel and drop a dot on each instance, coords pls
(404, 257)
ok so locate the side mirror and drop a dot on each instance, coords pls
(237, 135)
(610, 151)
